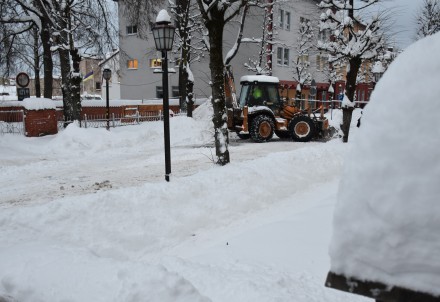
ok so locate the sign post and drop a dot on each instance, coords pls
(22, 80)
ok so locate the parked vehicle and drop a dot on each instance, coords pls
(260, 112)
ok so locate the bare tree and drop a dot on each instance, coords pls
(428, 19)
(73, 29)
(259, 64)
(353, 41)
(216, 14)
(190, 45)
(304, 47)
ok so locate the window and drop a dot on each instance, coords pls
(132, 30)
(175, 91)
(324, 35)
(132, 64)
(287, 17)
(322, 63)
(286, 61)
(304, 59)
(283, 56)
(281, 19)
(155, 63)
(98, 85)
(279, 55)
(159, 92)
(284, 20)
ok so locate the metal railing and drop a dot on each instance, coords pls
(12, 122)
(118, 120)
(328, 104)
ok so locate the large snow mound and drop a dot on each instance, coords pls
(388, 212)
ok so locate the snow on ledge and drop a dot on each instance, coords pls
(38, 104)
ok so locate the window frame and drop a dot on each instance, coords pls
(135, 64)
(287, 20)
(131, 30)
(281, 18)
(286, 61)
(159, 90)
(155, 63)
(175, 91)
(280, 53)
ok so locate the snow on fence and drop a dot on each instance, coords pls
(118, 120)
(12, 122)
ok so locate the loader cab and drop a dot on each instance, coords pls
(260, 90)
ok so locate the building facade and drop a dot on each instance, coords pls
(139, 58)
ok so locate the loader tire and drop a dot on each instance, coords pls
(262, 128)
(302, 128)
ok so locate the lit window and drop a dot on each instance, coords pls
(132, 30)
(155, 63)
(132, 64)
(287, 17)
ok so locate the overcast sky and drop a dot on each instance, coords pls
(404, 15)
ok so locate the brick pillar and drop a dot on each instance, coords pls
(40, 122)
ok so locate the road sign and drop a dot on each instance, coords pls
(23, 93)
(22, 79)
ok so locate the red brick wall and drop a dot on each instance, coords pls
(40, 122)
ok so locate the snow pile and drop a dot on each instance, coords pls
(87, 216)
(387, 217)
(38, 104)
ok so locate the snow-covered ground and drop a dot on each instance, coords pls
(86, 215)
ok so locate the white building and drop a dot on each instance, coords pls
(139, 58)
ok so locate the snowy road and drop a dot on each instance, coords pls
(90, 211)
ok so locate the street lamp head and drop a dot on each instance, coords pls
(107, 74)
(163, 32)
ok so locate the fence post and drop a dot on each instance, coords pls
(160, 115)
(85, 121)
(113, 119)
(24, 122)
(137, 117)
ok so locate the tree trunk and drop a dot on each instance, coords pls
(182, 15)
(75, 84)
(36, 64)
(190, 98)
(350, 90)
(215, 27)
(65, 87)
(47, 60)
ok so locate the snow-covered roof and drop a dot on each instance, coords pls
(386, 220)
(259, 78)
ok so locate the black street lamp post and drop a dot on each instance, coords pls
(163, 33)
(107, 74)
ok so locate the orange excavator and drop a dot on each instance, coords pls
(259, 112)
